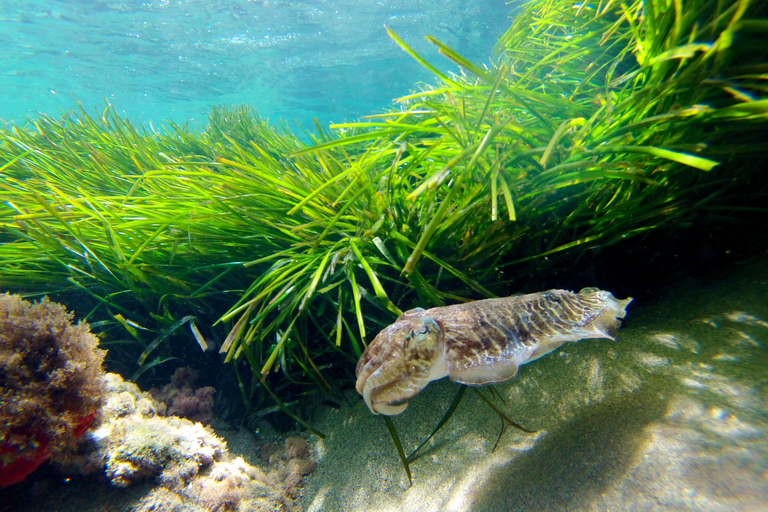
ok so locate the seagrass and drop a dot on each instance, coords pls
(593, 123)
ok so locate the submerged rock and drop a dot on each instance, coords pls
(53, 389)
(190, 467)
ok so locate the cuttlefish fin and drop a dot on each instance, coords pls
(480, 375)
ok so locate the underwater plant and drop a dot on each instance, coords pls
(596, 124)
(51, 384)
(599, 123)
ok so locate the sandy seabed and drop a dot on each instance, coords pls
(671, 416)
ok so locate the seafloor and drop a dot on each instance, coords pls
(671, 416)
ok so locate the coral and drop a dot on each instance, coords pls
(51, 384)
(180, 398)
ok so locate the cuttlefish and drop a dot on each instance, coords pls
(478, 343)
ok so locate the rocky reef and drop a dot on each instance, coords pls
(58, 405)
(191, 466)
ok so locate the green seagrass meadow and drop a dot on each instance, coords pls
(595, 123)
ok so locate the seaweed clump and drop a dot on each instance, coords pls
(180, 398)
(51, 384)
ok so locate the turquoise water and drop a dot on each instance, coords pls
(174, 59)
(670, 416)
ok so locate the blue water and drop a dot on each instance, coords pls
(174, 59)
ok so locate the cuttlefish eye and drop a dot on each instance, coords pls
(427, 326)
(423, 337)
(420, 335)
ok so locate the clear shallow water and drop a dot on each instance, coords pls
(174, 59)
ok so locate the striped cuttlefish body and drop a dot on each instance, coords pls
(478, 343)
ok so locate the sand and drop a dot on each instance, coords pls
(671, 416)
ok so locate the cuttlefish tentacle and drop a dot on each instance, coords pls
(477, 343)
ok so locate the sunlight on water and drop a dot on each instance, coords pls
(174, 60)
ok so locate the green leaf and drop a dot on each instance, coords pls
(684, 158)
(398, 445)
(162, 337)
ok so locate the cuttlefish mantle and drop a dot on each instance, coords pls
(478, 343)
